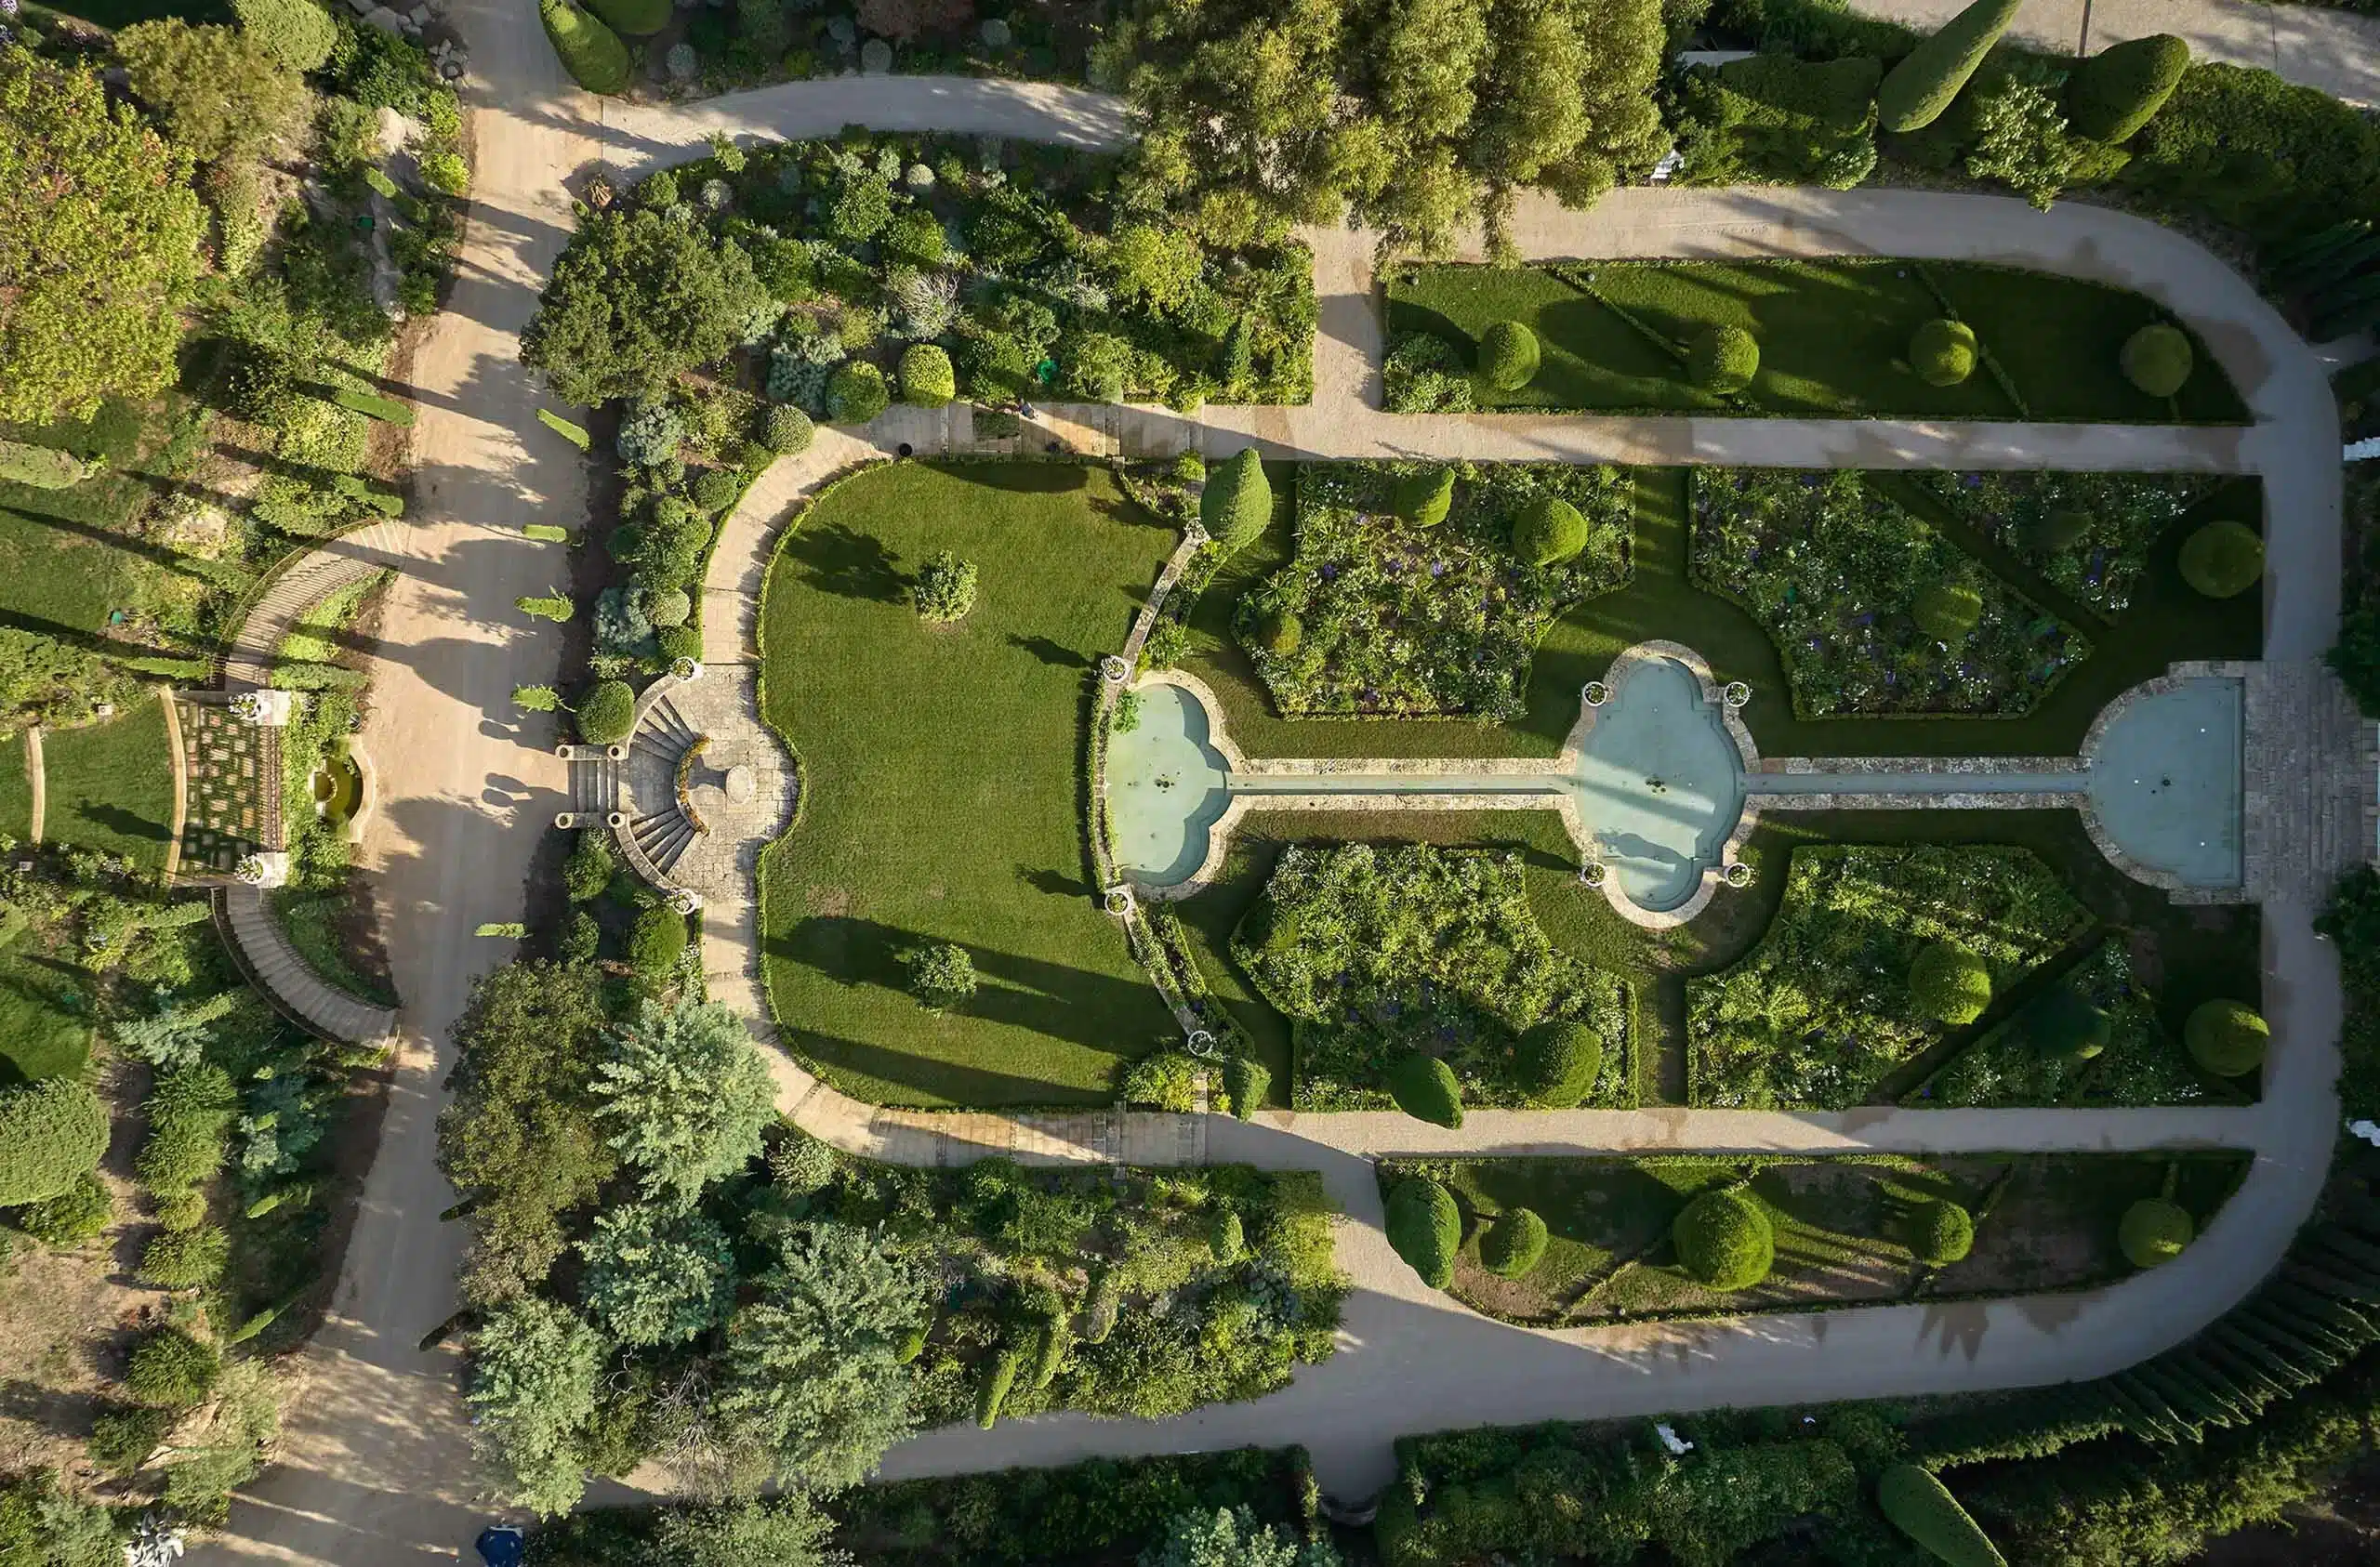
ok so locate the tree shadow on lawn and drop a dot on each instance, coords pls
(839, 559)
(1049, 651)
(117, 819)
(940, 1083)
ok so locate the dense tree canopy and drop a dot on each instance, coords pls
(532, 1391)
(220, 91)
(635, 299)
(684, 1095)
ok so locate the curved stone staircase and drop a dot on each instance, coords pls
(245, 916)
(657, 821)
(247, 662)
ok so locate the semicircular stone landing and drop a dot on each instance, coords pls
(1659, 783)
(2165, 780)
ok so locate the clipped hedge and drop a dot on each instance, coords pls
(2157, 359)
(52, 1134)
(1916, 92)
(1942, 351)
(607, 713)
(590, 51)
(1514, 1245)
(2223, 560)
(1425, 498)
(1946, 611)
(1724, 1240)
(1949, 984)
(1508, 356)
(1424, 1087)
(2155, 1230)
(2115, 92)
(1920, 1507)
(1425, 1227)
(633, 18)
(1559, 1062)
(2227, 1038)
(1548, 531)
(1941, 1232)
(997, 1382)
(1236, 505)
(1723, 359)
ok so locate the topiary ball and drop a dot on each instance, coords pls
(927, 378)
(716, 489)
(1941, 1232)
(1946, 611)
(1424, 1087)
(1949, 984)
(2157, 359)
(2227, 1038)
(1424, 498)
(2058, 529)
(1514, 1244)
(2154, 1229)
(1280, 632)
(786, 430)
(2223, 560)
(1425, 1227)
(607, 713)
(1559, 1061)
(1724, 1240)
(2063, 1025)
(1549, 530)
(1723, 359)
(1508, 356)
(1942, 351)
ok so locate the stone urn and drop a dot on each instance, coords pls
(1114, 670)
(1737, 873)
(1597, 694)
(1118, 901)
(1593, 873)
(1735, 695)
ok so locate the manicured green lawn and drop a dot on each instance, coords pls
(16, 790)
(44, 1011)
(110, 786)
(1833, 336)
(1838, 1225)
(943, 789)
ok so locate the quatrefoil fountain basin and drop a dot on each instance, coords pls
(1659, 783)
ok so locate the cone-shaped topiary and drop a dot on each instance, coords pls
(607, 715)
(1514, 1244)
(2223, 560)
(2062, 1025)
(1426, 1229)
(52, 1134)
(1914, 93)
(2058, 529)
(1549, 530)
(1424, 497)
(1723, 359)
(1950, 984)
(1424, 1087)
(2115, 92)
(1946, 611)
(1508, 356)
(1922, 1507)
(2157, 359)
(1559, 1061)
(1724, 1240)
(2154, 1231)
(1942, 351)
(591, 52)
(1941, 1232)
(1236, 505)
(2227, 1038)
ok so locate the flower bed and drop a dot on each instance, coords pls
(1374, 952)
(1820, 1013)
(1836, 574)
(2138, 1065)
(1403, 621)
(2088, 533)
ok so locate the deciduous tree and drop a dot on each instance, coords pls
(684, 1095)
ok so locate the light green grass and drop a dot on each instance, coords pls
(44, 1005)
(943, 789)
(1830, 334)
(110, 786)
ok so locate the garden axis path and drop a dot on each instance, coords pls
(375, 1459)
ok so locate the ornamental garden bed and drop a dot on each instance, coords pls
(1843, 1226)
(1873, 611)
(1834, 338)
(2089, 533)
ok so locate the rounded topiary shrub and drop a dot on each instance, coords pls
(1514, 1244)
(716, 489)
(1548, 531)
(1920, 1507)
(1424, 498)
(52, 1134)
(1279, 632)
(1724, 1240)
(2223, 560)
(2154, 1229)
(1559, 1061)
(856, 392)
(1941, 1232)
(657, 941)
(2115, 92)
(1946, 611)
(1942, 352)
(1508, 356)
(786, 430)
(1426, 1229)
(1723, 358)
(1424, 1087)
(2157, 359)
(2056, 531)
(1949, 984)
(2227, 1038)
(1236, 505)
(670, 606)
(2063, 1024)
(171, 1369)
(605, 718)
(927, 379)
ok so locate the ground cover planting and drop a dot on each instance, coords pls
(110, 785)
(1846, 1231)
(1834, 337)
(2089, 534)
(944, 785)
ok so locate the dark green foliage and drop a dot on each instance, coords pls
(1774, 117)
(172, 1370)
(1508, 356)
(1941, 1232)
(1723, 358)
(2063, 1024)
(1237, 505)
(1548, 532)
(588, 870)
(589, 50)
(1949, 984)
(635, 298)
(189, 1114)
(1424, 497)
(2154, 1231)
(51, 1135)
(786, 430)
(856, 392)
(1942, 352)
(1424, 1087)
(1916, 92)
(715, 489)
(1922, 1508)
(1514, 1244)
(1946, 611)
(2258, 152)
(997, 1379)
(1246, 1082)
(2115, 92)
(657, 941)
(297, 32)
(2227, 1038)
(1425, 1227)
(1724, 1240)
(1560, 1061)
(2058, 529)
(942, 976)
(633, 18)
(2223, 560)
(71, 1218)
(607, 713)
(2158, 359)
(2352, 922)
(122, 1436)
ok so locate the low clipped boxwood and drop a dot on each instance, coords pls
(1548, 531)
(607, 715)
(1559, 1062)
(1426, 1229)
(657, 941)
(2157, 359)
(856, 392)
(1508, 356)
(590, 51)
(1424, 498)
(927, 378)
(52, 1134)
(1941, 1232)
(2227, 1038)
(1724, 1240)
(1949, 984)
(1942, 351)
(2062, 1025)
(786, 430)
(997, 1382)
(2223, 560)
(1946, 611)
(1514, 1245)
(1723, 358)
(1920, 1507)
(2154, 1229)
(1424, 1087)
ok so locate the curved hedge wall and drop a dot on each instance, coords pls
(1914, 93)
(1425, 1227)
(1724, 1240)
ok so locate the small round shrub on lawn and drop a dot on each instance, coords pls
(945, 590)
(1508, 356)
(856, 392)
(1723, 359)
(2058, 529)
(1549, 530)
(1559, 1061)
(1425, 1227)
(172, 1370)
(2157, 359)
(1514, 1245)
(1424, 498)
(2154, 1231)
(2227, 1038)
(1946, 611)
(1424, 1087)
(607, 715)
(1949, 984)
(52, 1134)
(942, 976)
(1724, 1240)
(927, 379)
(786, 430)
(1942, 352)
(2223, 560)
(2062, 1025)
(1236, 505)
(1941, 1232)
